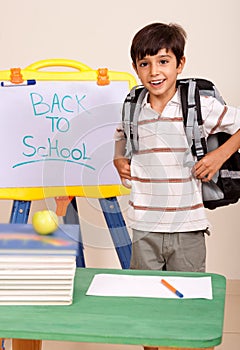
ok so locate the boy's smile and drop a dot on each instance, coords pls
(158, 74)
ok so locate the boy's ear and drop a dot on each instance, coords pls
(181, 65)
(135, 67)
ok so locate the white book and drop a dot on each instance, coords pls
(34, 262)
(37, 286)
(32, 277)
(32, 293)
(39, 272)
(39, 298)
(36, 265)
(36, 297)
(32, 303)
(36, 258)
(42, 282)
(36, 280)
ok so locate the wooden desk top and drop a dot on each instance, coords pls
(191, 323)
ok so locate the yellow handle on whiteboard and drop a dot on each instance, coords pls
(58, 62)
(81, 72)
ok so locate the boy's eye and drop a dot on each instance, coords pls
(143, 64)
(163, 61)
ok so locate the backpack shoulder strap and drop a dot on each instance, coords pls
(130, 113)
(192, 115)
(207, 88)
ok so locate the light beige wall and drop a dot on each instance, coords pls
(98, 33)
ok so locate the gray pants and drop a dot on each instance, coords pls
(182, 251)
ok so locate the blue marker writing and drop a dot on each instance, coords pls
(25, 83)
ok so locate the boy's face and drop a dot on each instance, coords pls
(158, 73)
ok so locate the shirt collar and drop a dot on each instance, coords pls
(175, 99)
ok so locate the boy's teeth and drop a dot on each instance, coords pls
(157, 82)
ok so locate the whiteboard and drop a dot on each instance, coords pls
(59, 133)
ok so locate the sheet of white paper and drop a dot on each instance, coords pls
(150, 286)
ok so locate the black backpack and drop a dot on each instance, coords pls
(224, 188)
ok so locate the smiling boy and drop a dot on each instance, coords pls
(166, 211)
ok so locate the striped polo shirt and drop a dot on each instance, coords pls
(165, 196)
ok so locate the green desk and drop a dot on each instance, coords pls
(177, 323)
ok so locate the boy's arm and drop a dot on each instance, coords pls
(122, 163)
(212, 162)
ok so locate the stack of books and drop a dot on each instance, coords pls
(37, 269)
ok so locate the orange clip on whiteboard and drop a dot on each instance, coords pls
(57, 125)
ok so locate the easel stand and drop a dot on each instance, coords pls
(117, 229)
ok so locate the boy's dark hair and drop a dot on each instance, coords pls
(156, 36)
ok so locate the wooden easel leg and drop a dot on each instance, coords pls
(167, 348)
(26, 344)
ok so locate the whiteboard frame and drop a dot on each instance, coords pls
(81, 73)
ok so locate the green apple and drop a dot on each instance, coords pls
(45, 222)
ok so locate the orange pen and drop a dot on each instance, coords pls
(171, 288)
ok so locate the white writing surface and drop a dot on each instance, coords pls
(59, 133)
(150, 286)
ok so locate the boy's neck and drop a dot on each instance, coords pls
(158, 103)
